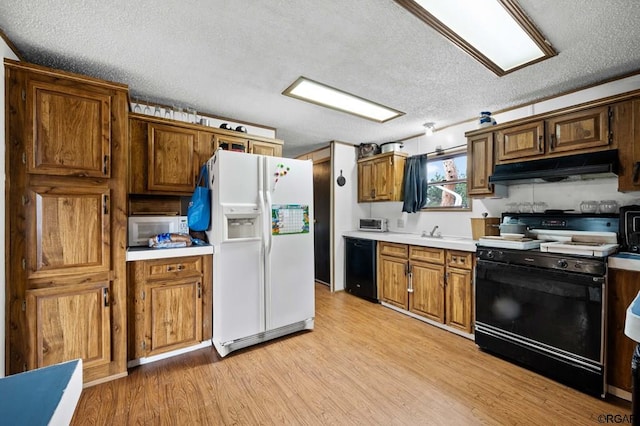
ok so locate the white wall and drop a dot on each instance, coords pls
(561, 195)
(344, 208)
(5, 52)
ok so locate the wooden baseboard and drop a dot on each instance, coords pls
(431, 322)
(146, 360)
(105, 379)
(620, 393)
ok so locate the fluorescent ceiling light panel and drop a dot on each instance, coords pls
(495, 32)
(323, 95)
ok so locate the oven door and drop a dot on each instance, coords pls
(547, 319)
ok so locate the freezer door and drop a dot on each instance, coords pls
(289, 275)
(238, 273)
(236, 178)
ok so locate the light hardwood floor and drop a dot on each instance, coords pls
(363, 364)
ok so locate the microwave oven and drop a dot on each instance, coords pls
(141, 228)
(373, 224)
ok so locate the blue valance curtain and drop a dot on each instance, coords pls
(415, 184)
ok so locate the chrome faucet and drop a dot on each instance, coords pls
(432, 233)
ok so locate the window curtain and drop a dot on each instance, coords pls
(415, 184)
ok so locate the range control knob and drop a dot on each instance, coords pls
(562, 263)
(490, 254)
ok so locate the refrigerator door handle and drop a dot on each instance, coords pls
(263, 214)
(268, 215)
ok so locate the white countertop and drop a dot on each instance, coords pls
(626, 261)
(148, 253)
(453, 243)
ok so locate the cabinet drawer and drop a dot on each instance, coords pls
(460, 259)
(427, 254)
(393, 249)
(174, 267)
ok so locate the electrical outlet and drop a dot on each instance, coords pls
(400, 223)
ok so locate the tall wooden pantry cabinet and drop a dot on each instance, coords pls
(66, 220)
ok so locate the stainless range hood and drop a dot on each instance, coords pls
(571, 167)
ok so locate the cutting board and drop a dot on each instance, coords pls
(520, 244)
(586, 236)
(584, 249)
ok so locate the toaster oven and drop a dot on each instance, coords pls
(373, 224)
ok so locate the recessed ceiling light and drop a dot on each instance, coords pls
(326, 96)
(495, 32)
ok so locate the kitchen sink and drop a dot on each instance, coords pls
(435, 238)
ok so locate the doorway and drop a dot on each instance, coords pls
(322, 216)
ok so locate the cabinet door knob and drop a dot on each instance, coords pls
(180, 267)
(169, 268)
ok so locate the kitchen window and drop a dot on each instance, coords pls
(447, 181)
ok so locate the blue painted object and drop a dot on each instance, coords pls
(33, 397)
(635, 305)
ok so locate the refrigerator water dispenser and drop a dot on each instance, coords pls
(241, 223)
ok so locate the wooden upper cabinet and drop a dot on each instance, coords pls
(626, 131)
(380, 177)
(244, 144)
(166, 155)
(480, 164)
(72, 322)
(524, 141)
(69, 131)
(383, 177)
(365, 182)
(580, 130)
(206, 145)
(171, 158)
(68, 230)
(265, 148)
(231, 143)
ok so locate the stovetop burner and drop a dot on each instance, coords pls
(577, 243)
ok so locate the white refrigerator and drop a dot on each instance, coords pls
(262, 233)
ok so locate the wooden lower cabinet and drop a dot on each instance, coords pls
(72, 322)
(427, 290)
(170, 304)
(622, 287)
(393, 280)
(459, 299)
(430, 282)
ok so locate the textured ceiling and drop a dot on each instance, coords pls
(234, 58)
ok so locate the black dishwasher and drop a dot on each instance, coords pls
(360, 268)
